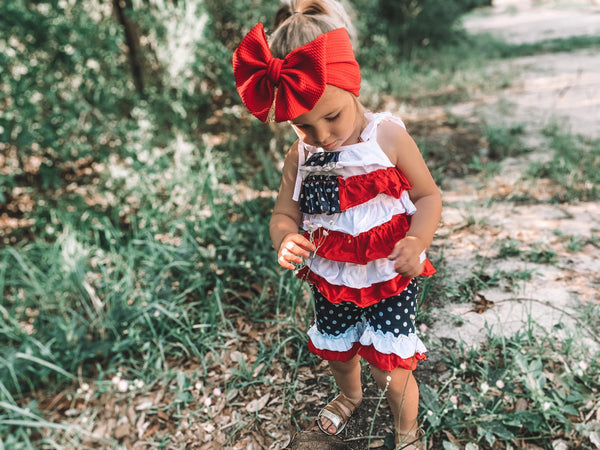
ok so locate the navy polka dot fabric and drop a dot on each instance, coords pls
(320, 195)
(392, 315)
(322, 159)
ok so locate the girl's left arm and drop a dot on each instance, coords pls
(404, 153)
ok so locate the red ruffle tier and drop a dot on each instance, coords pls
(384, 361)
(361, 297)
(359, 189)
(373, 244)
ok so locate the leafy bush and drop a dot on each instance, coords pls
(408, 24)
(117, 181)
(63, 99)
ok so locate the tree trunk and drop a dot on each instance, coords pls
(132, 39)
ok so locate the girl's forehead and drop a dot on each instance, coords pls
(332, 100)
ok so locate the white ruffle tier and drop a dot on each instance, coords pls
(405, 346)
(363, 217)
(340, 343)
(352, 275)
(335, 168)
(354, 159)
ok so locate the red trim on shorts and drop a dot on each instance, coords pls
(383, 361)
(332, 355)
(389, 361)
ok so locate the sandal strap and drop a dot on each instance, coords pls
(342, 407)
(411, 439)
(338, 411)
(333, 418)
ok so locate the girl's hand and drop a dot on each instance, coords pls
(293, 248)
(407, 256)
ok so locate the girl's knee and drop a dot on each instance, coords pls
(391, 379)
(345, 366)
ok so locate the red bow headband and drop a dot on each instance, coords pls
(299, 79)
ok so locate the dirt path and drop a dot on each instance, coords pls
(559, 88)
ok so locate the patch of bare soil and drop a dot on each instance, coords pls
(449, 145)
(480, 212)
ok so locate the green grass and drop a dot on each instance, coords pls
(535, 386)
(156, 278)
(573, 165)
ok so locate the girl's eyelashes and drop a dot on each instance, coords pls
(303, 126)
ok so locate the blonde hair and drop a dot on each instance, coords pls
(299, 22)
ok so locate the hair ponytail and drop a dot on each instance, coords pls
(298, 22)
(283, 13)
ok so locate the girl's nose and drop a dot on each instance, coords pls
(321, 135)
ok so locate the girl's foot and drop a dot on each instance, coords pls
(413, 440)
(333, 418)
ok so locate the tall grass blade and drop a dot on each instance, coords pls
(45, 364)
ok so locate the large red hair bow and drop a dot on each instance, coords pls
(298, 80)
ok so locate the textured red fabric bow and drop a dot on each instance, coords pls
(299, 79)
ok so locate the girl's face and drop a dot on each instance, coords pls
(335, 120)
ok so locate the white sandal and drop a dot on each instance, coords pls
(337, 411)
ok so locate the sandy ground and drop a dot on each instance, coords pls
(555, 88)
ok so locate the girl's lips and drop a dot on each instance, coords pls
(328, 146)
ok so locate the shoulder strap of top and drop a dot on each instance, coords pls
(298, 185)
(301, 159)
(370, 131)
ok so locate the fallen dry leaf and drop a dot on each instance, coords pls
(122, 429)
(256, 405)
(482, 304)
(150, 431)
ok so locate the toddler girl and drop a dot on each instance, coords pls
(356, 184)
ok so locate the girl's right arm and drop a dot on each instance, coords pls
(291, 246)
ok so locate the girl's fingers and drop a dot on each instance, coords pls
(293, 249)
(287, 258)
(398, 250)
(408, 271)
(283, 263)
(296, 249)
(406, 263)
(302, 242)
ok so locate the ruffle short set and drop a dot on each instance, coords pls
(355, 207)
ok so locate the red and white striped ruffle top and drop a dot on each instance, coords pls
(355, 207)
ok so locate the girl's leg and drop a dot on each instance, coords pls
(347, 377)
(403, 397)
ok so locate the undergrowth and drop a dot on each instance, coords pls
(537, 386)
(573, 165)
